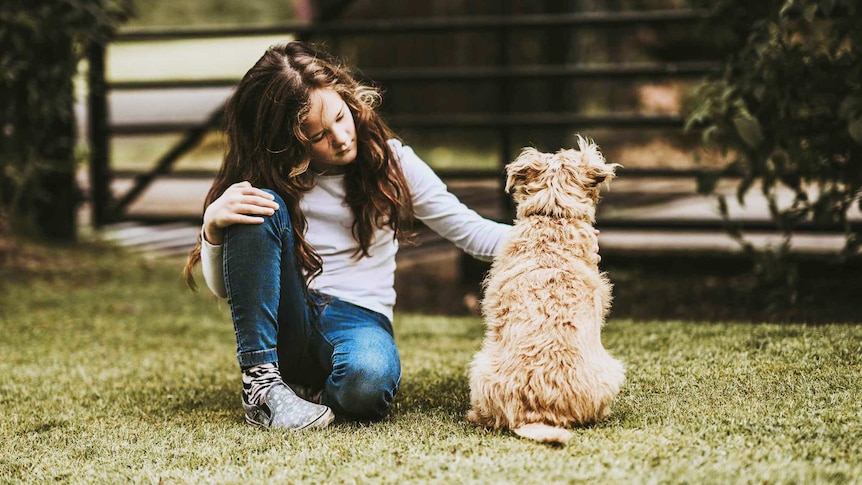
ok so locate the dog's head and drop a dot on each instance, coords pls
(561, 185)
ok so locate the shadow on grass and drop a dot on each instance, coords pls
(429, 390)
(187, 402)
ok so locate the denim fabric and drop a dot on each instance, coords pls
(355, 350)
(317, 340)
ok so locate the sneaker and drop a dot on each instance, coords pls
(282, 408)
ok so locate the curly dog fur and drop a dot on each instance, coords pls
(542, 368)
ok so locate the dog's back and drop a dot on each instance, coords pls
(542, 360)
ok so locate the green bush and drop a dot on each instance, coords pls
(41, 43)
(787, 110)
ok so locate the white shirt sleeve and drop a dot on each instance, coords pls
(440, 210)
(212, 264)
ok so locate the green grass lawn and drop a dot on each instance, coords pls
(112, 371)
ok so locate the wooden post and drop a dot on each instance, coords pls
(99, 137)
(55, 191)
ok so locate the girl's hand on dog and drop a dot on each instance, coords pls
(239, 204)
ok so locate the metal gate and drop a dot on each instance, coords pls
(502, 72)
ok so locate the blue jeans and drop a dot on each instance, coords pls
(317, 340)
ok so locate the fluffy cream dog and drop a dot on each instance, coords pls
(542, 367)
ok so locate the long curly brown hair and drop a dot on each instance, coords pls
(267, 147)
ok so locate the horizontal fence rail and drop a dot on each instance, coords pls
(593, 20)
(671, 225)
(533, 120)
(579, 71)
(460, 121)
(490, 73)
(629, 173)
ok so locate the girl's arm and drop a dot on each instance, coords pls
(440, 210)
(212, 265)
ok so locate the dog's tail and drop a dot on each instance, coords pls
(544, 433)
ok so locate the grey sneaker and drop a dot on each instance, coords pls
(282, 408)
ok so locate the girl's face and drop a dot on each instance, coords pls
(332, 132)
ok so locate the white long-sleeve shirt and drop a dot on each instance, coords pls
(369, 282)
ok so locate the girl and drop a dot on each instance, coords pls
(300, 231)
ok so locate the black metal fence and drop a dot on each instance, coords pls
(502, 120)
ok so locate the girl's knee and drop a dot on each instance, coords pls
(279, 222)
(367, 387)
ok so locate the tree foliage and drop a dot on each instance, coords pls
(41, 44)
(787, 111)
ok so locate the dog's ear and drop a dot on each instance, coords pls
(523, 168)
(598, 170)
(602, 173)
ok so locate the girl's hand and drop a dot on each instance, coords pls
(239, 204)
